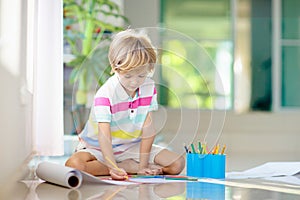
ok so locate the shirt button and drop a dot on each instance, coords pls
(132, 111)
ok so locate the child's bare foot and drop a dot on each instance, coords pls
(156, 168)
(130, 166)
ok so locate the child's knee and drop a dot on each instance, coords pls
(75, 162)
(180, 164)
(177, 166)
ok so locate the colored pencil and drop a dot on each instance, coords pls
(223, 150)
(199, 147)
(186, 149)
(193, 148)
(167, 177)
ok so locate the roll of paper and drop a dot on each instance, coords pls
(59, 174)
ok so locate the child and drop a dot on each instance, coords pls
(118, 138)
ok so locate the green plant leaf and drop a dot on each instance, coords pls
(73, 75)
(77, 61)
(90, 48)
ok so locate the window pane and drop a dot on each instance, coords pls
(197, 72)
(205, 19)
(290, 76)
(290, 19)
(290, 53)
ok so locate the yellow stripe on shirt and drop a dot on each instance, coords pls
(126, 135)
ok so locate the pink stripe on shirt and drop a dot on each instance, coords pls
(119, 107)
(146, 101)
(102, 101)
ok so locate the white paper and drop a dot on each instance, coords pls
(69, 177)
(94, 179)
(286, 179)
(270, 169)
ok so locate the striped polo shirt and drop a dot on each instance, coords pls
(125, 114)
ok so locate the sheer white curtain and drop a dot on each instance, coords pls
(48, 78)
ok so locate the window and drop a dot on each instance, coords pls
(223, 28)
(290, 53)
(197, 60)
(286, 16)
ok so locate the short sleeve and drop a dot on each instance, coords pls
(102, 111)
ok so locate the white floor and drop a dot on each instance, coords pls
(31, 188)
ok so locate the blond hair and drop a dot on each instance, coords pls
(130, 50)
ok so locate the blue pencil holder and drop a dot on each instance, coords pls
(206, 165)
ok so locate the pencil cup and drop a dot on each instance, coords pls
(206, 165)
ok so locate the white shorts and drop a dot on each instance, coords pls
(131, 153)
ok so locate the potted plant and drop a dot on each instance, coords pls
(87, 28)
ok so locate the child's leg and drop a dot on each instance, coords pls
(171, 162)
(85, 161)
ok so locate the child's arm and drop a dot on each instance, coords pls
(105, 140)
(148, 136)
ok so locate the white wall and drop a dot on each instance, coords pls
(252, 138)
(142, 13)
(15, 102)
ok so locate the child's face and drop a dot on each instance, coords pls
(132, 80)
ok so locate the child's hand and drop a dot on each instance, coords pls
(150, 171)
(118, 174)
